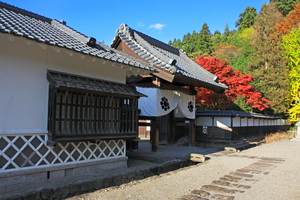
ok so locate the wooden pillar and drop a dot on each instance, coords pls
(247, 134)
(232, 129)
(213, 127)
(171, 129)
(155, 134)
(191, 133)
(253, 127)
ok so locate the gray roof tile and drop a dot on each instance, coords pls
(164, 54)
(26, 24)
(71, 81)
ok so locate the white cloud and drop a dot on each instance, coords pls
(157, 26)
(141, 24)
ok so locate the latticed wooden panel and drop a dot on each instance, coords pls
(80, 114)
(17, 152)
(87, 109)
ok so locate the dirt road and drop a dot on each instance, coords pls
(268, 171)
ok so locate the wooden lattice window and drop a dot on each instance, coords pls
(77, 114)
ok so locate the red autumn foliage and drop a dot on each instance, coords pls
(238, 84)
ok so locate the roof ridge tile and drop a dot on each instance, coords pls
(25, 24)
(25, 12)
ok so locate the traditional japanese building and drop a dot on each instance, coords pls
(65, 107)
(170, 92)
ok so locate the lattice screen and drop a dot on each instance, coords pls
(26, 151)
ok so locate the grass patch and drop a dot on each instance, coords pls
(278, 136)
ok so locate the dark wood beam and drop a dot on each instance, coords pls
(191, 132)
(155, 134)
(167, 86)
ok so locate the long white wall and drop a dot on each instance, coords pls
(24, 86)
(204, 121)
(236, 122)
(222, 121)
(239, 122)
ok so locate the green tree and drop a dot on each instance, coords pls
(226, 30)
(217, 33)
(186, 43)
(268, 68)
(285, 6)
(246, 19)
(186, 38)
(178, 44)
(204, 41)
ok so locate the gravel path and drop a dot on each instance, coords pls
(269, 171)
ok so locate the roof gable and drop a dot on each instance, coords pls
(168, 58)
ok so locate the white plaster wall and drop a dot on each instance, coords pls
(261, 122)
(256, 122)
(278, 122)
(250, 122)
(222, 121)
(236, 122)
(204, 121)
(244, 121)
(24, 86)
(24, 96)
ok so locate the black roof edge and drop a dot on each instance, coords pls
(232, 113)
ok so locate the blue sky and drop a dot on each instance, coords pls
(163, 20)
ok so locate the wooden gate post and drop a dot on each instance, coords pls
(191, 133)
(155, 134)
(171, 129)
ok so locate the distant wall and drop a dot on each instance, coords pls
(227, 129)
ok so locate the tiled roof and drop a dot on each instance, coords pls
(165, 56)
(232, 113)
(73, 81)
(26, 24)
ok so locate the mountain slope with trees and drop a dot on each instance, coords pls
(260, 48)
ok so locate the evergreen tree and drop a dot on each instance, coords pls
(205, 30)
(285, 6)
(204, 42)
(217, 33)
(247, 18)
(186, 38)
(178, 44)
(226, 30)
(174, 42)
(269, 69)
(186, 46)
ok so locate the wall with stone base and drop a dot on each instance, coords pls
(27, 158)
